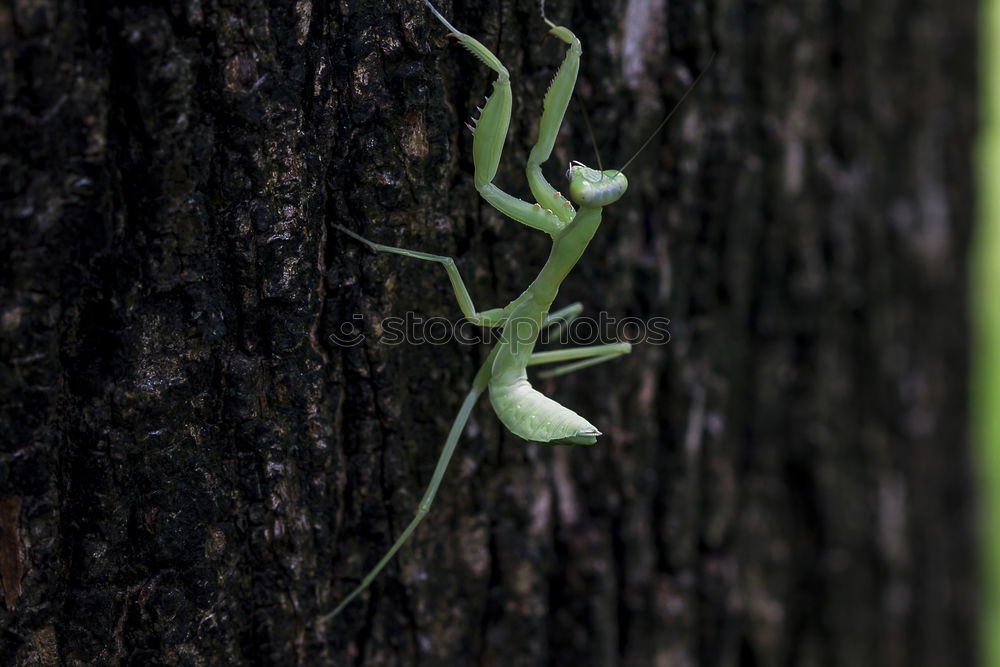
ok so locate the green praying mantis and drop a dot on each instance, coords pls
(571, 223)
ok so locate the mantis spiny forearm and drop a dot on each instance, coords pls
(523, 410)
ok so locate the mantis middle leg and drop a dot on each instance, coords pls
(588, 356)
(494, 317)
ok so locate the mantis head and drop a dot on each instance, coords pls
(590, 187)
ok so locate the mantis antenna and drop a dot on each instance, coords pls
(663, 122)
(590, 131)
(541, 9)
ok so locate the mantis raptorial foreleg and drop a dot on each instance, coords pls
(553, 110)
(490, 133)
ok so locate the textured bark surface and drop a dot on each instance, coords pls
(192, 471)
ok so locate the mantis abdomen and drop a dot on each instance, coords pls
(532, 415)
(525, 411)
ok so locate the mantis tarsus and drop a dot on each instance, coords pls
(523, 410)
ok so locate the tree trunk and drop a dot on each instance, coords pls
(194, 469)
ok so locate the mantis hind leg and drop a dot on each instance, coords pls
(478, 387)
(582, 357)
(586, 356)
(557, 320)
(488, 318)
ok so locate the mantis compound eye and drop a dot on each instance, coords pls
(575, 166)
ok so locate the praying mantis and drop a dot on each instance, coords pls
(571, 222)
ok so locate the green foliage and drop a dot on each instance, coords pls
(986, 306)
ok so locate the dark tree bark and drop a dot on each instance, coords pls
(193, 471)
